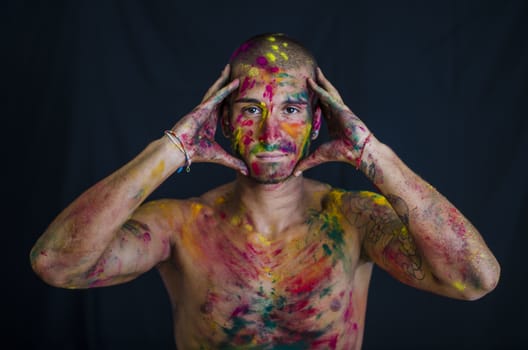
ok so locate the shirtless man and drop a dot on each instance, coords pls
(271, 260)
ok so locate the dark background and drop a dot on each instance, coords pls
(88, 84)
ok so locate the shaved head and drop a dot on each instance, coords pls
(272, 52)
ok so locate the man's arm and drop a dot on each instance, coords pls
(413, 232)
(102, 237)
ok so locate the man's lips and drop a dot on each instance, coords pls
(270, 155)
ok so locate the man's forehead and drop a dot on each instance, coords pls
(276, 72)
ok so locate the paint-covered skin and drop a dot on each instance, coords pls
(239, 289)
(271, 261)
(271, 118)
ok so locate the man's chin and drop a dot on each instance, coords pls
(270, 180)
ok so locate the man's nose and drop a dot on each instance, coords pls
(269, 130)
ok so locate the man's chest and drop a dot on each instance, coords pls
(246, 288)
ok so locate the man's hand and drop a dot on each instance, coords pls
(347, 131)
(197, 129)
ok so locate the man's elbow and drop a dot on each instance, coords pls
(484, 283)
(51, 272)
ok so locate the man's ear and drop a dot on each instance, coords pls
(316, 121)
(224, 120)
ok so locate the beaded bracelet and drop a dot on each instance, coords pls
(358, 160)
(181, 147)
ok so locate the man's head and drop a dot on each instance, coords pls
(272, 116)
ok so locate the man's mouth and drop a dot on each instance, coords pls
(270, 156)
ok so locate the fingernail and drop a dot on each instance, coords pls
(243, 172)
(297, 173)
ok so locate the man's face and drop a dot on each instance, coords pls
(271, 120)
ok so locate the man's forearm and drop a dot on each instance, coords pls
(81, 232)
(447, 240)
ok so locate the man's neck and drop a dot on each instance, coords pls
(270, 208)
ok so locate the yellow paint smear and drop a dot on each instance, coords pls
(275, 47)
(263, 240)
(236, 220)
(284, 56)
(195, 209)
(271, 57)
(253, 72)
(158, 170)
(459, 286)
(378, 199)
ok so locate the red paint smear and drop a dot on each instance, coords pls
(268, 92)
(240, 310)
(146, 237)
(331, 342)
(246, 139)
(262, 61)
(246, 84)
(248, 122)
(455, 221)
(98, 269)
(306, 283)
(242, 48)
(277, 252)
(273, 69)
(350, 308)
(42, 252)
(255, 168)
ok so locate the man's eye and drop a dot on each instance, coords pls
(291, 110)
(252, 110)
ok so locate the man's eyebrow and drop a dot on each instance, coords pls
(295, 101)
(247, 100)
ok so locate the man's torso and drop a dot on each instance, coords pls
(233, 288)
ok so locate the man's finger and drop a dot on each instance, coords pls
(319, 156)
(221, 94)
(324, 96)
(224, 158)
(218, 83)
(327, 85)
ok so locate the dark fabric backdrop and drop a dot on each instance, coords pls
(88, 84)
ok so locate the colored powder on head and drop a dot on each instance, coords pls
(275, 47)
(268, 92)
(236, 144)
(271, 57)
(292, 129)
(253, 72)
(146, 237)
(284, 56)
(247, 122)
(274, 69)
(271, 38)
(245, 85)
(256, 169)
(262, 61)
(285, 44)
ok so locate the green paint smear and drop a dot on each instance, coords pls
(325, 292)
(327, 249)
